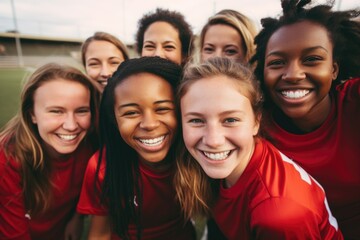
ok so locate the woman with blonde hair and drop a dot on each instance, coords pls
(230, 34)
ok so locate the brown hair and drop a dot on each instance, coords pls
(21, 141)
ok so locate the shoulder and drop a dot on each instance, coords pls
(351, 88)
(276, 215)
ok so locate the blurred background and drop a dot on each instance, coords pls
(34, 32)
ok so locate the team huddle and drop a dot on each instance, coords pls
(254, 131)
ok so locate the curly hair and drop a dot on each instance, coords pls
(342, 28)
(176, 20)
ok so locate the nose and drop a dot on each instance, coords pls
(218, 53)
(149, 121)
(105, 71)
(70, 123)
(294, 72)
(213, 136)
(159, 51)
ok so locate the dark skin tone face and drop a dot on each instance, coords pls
(298, 73)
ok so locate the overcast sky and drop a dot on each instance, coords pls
(81, 18)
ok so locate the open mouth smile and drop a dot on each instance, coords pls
(295, 94)
(151, 142)
(67, 137)
(217, 156)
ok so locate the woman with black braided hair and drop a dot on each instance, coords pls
(309, 67)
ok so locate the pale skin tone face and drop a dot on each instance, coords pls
(62, 115)
(102, 58)
(162, 39)
(219, 127)
(298, 73)
(145, 115)
(222, 40)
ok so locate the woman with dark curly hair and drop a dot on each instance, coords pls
(309, 67)
(165, 34)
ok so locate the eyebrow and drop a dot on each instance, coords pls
(136, 105)
(165, 42)
(279, 53)
(221, 114)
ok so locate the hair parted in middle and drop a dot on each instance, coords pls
(241, 23)
(195, 190)
(121, 183)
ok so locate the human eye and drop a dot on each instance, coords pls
(130, 113)
(148, 46)
(195, 121)
(312, 59)
(275, 63)
(169, 47)
(83, 111)
(208, 50)
(230, 52)
(231, 120)
(55, 111)
(164, 109)
(93, 64)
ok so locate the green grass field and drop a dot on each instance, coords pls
(10, 87)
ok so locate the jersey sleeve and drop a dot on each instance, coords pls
(90, 197)
(14, 223)
(281, 218)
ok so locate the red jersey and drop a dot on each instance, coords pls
(274, 199)
(67, 175)
(161, 214)
(331, 154)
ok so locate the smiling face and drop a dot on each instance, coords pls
(299, 69)
(221, 40)
(162, 39)
(145, 115)
(102, 58)
(219, 126)
(62, 115)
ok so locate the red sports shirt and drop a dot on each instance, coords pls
(331, 154)
(161, 214)
(67, 175)
(274, 199)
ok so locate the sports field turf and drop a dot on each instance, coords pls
(10, 87)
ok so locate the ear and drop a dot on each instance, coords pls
(335, 70)
(257, 125)
(33, 117)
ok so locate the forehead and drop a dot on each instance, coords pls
(161, 29)
(143, 85)
(222, 31)
(298, 35)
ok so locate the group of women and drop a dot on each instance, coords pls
(256, 131)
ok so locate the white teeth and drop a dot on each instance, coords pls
(295, 94)
(217, 156)
(67, 137)
(153, 141)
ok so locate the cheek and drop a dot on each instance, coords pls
(85, 122)
(93, 73)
